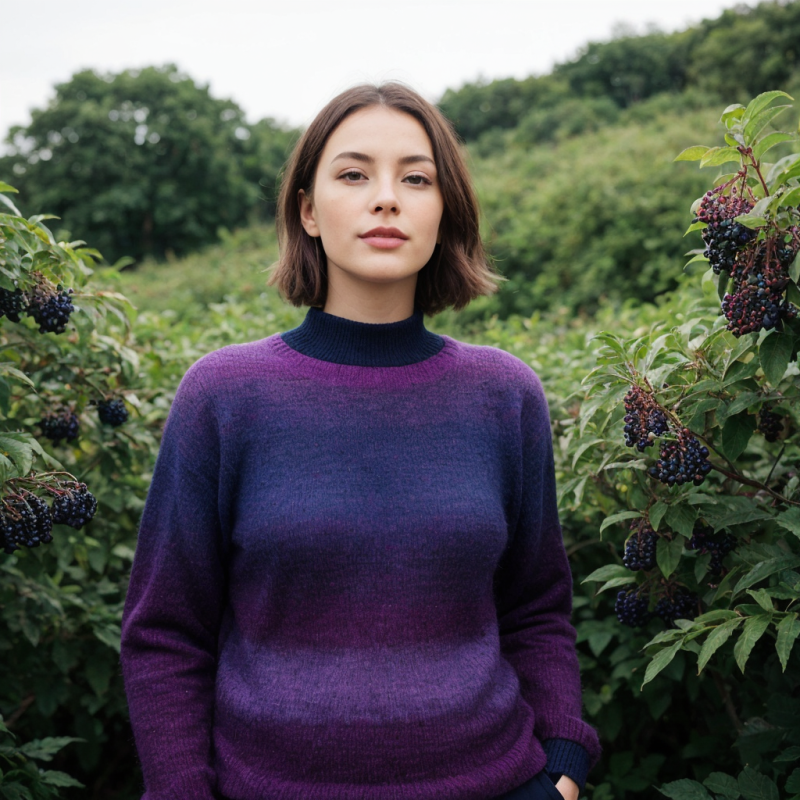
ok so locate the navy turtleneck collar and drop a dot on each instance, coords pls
(364, 344)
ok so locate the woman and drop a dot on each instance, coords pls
(350, 581)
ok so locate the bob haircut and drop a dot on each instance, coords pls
(458, 270)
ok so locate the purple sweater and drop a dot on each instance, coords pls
(350, 581)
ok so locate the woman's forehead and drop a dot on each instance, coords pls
(377, 132)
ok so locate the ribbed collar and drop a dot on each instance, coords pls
(364, 344)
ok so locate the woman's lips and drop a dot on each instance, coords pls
(383, 242)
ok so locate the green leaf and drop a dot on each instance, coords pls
(732, 114)
(21, 454)
(788, 630)
(760, 121)
(751, 221)
(583, 448)
(762, 597)
(56, 778)
(790, 754)
(684, 789)
(723, 784)
(656, 513)
(694, 153)
(614, 582)
(736, 434)
(696, 226)
(681, 518)
(108, 634)
(769, 141)
(4, 187)
(753, 630)
(774, 354)
(764, 569)
(754, 785)
(790, 520)
(790, 199)
(45, 749)
(715, 640)
(743, 401)
(607, 572)
(5, 201)
(761, 101)
(719, 155)
(660, 661)
(622, 515)
(668, 554)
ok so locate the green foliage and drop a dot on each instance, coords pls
(21, 778)
(714, 385)
(592, 218)
(145, 162)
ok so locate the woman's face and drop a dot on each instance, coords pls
(376, 171)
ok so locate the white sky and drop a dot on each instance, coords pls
(287, 59)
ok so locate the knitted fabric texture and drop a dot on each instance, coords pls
(350, 581)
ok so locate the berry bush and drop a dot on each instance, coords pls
(709, 572)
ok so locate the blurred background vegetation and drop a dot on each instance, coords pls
(584, 213)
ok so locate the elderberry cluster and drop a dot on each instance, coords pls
(112, 412)
(723, 236)
(644, 419)
(75, 507)
(757, 303)
(631, 607)
(61, 423)
(704, 540)
(770, 424)
(12, 304)
(677, 603)
(50, 307)
(640, 549)
(681, 460)
(25, 521)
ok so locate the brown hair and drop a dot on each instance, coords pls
(458, 270)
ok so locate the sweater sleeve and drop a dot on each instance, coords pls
(533, 590)
(174, 604)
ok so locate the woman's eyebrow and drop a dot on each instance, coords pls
(370, 160)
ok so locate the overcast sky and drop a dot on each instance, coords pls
(287, 59)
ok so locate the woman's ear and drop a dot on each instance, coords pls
(307, 214)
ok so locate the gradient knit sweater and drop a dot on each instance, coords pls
(350, 581)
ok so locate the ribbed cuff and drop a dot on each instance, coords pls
(567, 758)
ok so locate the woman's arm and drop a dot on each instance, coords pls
(174, 604)
(533, 589)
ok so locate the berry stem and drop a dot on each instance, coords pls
(775, 463)
(737, 476)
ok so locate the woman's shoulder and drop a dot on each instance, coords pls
(228, 365)
(492, 361)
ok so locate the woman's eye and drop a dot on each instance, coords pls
(418, 180)
(351, 174)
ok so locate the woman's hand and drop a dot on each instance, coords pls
(568, 788)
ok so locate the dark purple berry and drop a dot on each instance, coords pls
(112, 412)
(75, 506)
(12, 304)
(61, 423)
(50, 310)
(25, 521)
(640, 550)
(770, 424)
(677, 603)
(631, 608)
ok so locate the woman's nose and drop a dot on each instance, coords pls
(385, 198)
